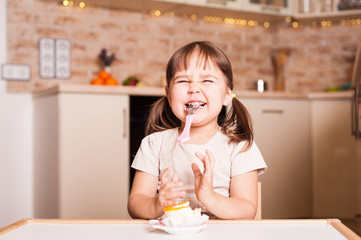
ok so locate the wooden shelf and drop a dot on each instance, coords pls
(330, 15)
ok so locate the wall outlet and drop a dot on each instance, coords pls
(47, 57)
(16, 72)
(62, 58)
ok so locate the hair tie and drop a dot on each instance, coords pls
(233, 95)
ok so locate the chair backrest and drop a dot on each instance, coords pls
(259, 204)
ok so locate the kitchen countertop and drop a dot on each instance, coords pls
(159, 91)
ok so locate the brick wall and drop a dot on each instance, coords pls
(319, 57)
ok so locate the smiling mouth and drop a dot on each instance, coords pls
(195, 105)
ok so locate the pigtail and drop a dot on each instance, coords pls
(161, 117)
(238, 124)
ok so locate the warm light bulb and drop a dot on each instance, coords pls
(266, 24)
(157, 13)
(82, 4)
(65, 3)
(229, 20)
(239, 21)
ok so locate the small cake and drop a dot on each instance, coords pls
(182, 215)
(181, 209)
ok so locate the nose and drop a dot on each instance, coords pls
(193, 88)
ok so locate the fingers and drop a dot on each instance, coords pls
(200, 156)
(211, 159)
(168, 191)
(164, 176)
(207, 160)
(175, 177)
(174, 183)
(196, 170)
(169, 198)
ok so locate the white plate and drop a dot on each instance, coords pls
(177, 230)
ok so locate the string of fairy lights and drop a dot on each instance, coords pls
(233, 21)
(67, 3)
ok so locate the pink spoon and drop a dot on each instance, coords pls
(185, 135)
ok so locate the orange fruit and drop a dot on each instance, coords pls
(97, 81)
(111, 82)
(104, 74)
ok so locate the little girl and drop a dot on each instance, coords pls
(217, 168)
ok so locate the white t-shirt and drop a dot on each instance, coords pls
(161, 150)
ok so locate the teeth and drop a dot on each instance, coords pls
(194, 105)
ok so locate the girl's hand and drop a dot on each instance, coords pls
(203, 183)
(168, 192)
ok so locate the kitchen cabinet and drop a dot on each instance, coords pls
(304, 10)
(247, 5)
(245, 9)
(283, 8)
(282, 133)
(334, 155)
(222, 4)
(201, 8)
(81, 155)
(242, 6)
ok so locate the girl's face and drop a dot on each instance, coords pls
(203, 83)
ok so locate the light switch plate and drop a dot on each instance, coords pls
(47, 57)
(62, 58)
(19, 72)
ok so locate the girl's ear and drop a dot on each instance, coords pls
(228, 98)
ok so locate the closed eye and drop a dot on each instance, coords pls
(208, 81)
(182, 81)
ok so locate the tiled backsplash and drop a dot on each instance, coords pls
(319, 57)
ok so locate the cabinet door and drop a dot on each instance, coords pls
(282, 133)
(283, 7)
(334, 160)
(93, 156)
(222, 4)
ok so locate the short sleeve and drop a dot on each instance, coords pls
(147, 157)
(246, 161)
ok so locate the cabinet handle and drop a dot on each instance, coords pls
(356, 112)
(124, 123)
(272, 111)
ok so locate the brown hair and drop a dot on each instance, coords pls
(237, 124)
